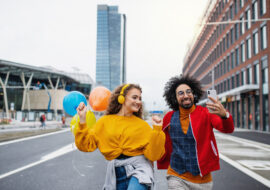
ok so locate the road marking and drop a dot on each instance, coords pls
(64, 150)
(33, 137)
(256, 164)
(250, 173)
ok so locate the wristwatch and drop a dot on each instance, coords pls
(227, 115)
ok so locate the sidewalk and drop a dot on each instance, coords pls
(30, 125)
(257, 136)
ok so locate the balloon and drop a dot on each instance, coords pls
(99, 98)
(90, 121)
(72, 100)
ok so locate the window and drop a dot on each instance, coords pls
(262, 7)
(255, 43)
(237, 80)
(255, 11)
(249, 77)
(228, 84)
(233, 82)
(243, 77)
(243, 55)
(236, 56)
(224, 66)
(231, 34)
(248, 23)
(235, 7)
(236, 31)
(256, 74)
(248, 43)
(242, 26)
(228, 63)
(263, 37)
(231, 12)
(241, 3)
(227, 40)
(232, 60)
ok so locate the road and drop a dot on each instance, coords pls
(52, 162)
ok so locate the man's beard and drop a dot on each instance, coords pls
(186, 106)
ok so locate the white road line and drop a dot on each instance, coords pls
(33, 137)
(64, 150)
(250, 173)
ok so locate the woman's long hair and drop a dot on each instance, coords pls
(174, 82)
(114, 106)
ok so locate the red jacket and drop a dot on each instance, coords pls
(202, 124)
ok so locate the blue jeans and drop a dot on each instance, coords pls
(124, 183)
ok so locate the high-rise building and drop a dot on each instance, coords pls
(231, 54)
(110, 52)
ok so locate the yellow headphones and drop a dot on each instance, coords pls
(121, 97)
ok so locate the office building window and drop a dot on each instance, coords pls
(231, 34)
(232, 60)
(224, 86)
(263, 37)
(243, 77)
(236, 31)
(232, 82)
(228, 63)
(242, 25)
(255, 43)
(228, 84)
(265, 95)
(248, 43)
(224, 66)
(262, 7)
(237, 80)
(235, 7)
(249, 76)
(256, 74)
(255, 10)
(224, 44)
(247, 15)
(227, 40)
(243, 53)
(231, 12)
(241, 3)
(236, 56)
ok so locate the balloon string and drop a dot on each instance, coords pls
(73, 163)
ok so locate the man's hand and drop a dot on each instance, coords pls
(81, 110)
(156, 120)
(216, 107)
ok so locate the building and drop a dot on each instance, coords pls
(232, 53)
(110, 50)
(27, 91)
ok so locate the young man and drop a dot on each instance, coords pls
(191, 150)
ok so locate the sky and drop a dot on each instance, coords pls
(62, 34)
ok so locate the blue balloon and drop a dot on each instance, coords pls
(72, 100)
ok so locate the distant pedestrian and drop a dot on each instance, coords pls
(124, 139)
(63, 118)
(42, 120)
(191, 150)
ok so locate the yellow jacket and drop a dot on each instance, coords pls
(115, 135)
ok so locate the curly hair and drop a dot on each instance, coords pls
(174, 82)
(114, 106)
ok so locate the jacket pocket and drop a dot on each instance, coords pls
(213, 148)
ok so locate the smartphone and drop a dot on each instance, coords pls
(212, 93)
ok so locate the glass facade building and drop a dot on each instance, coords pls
(110, 52)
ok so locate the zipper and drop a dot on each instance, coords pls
(195, 145)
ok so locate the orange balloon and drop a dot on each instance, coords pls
(99, 98)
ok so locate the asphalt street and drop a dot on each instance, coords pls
(52, 162)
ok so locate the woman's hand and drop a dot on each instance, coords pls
(216, 107)
(156, 120)
(81, 110)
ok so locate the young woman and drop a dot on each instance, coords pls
(124, 139)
